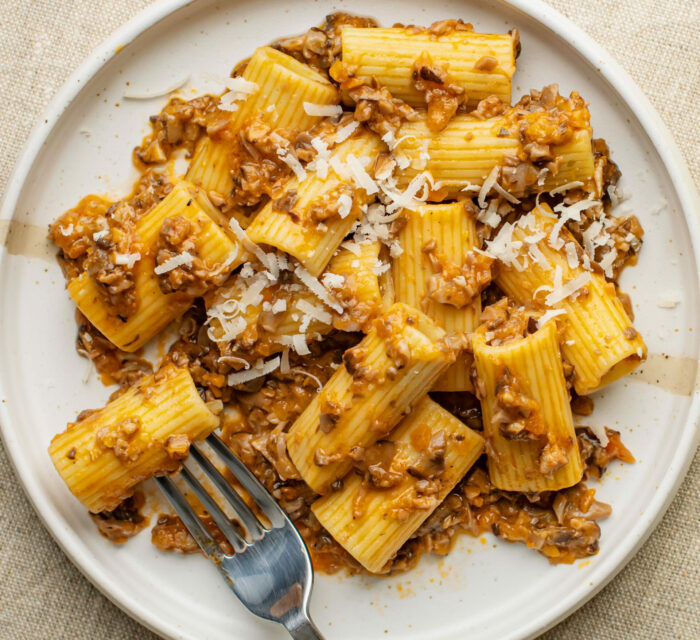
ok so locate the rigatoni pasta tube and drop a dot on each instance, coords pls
(428, 275)
(283, 86)
(381, 379)
(598, 338)
(310, 220)
(482, 64)
(210, 168)
(144, 432)
(522, 383)
(156, 309)
(359, 292)
(467, 150)
(429, 446)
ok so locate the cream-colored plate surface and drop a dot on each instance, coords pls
(484, 588)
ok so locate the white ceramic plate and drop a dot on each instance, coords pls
(484, 588)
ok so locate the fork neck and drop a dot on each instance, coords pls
(301, 627)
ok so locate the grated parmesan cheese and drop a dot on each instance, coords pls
(344, 205)
(352, 247)
(320, 163)
(423, 155)
(158, 93)
(508, 196)
(600, 433)
(381, 267)
(292, 162)
(487, 186)
(669, 299)
(568, 212)
(284, 364)
(606, 263)
(301, 371)
(571, 255)
(183, 259)
(490, 216)
(299, 344)
(503, 247)
(332, 280)
(128, 259)
(362, 179)
(314, 312)
(395, 249)
(268, 260)
(322, 110)
(548, 315)
(238, 89)
(317, 289)
(258, 371)
(538, 257)
(279, 306)
(402, 160)
(346, 131)
(565, 290)
(566, 187)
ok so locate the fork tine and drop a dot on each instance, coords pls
(250, 483)
(187, 514)
(243, 511)
(237, 541)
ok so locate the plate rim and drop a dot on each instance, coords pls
(633, 98)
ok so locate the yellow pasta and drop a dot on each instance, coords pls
(359, 293)
(436, 239)
(307, 220)
(467, 150)
(210, 168)
(382, 378)
(283, 86)
(598, 338)
(430, 446)
(526, 412)
(156, 309)
(480, 63)
(144, 432)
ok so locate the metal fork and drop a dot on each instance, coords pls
(270, 571)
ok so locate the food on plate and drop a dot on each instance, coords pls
(388, 283)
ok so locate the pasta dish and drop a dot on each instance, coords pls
(388, 283)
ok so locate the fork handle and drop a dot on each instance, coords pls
(303, 628)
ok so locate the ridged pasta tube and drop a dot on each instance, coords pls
(210, 167)
(155, 308)
(435, 239)
(146, 431)
(598, 338)
(283, 86)
(359, 294)
(381, 379)
(482, 64)
(520, 381)
(308, 221)
(429, 447)
(467, 149)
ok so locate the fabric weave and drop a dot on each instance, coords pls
(42, 595)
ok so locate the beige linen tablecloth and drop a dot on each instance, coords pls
(43, 596)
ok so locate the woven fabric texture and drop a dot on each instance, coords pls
(43, 596)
